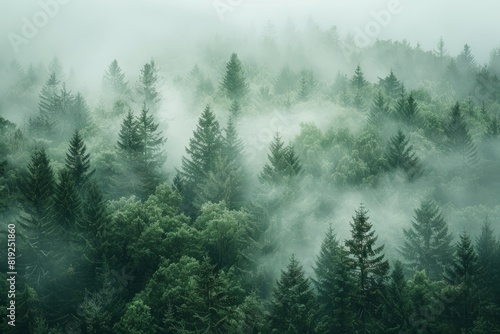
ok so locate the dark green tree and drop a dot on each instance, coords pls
(67, 203)
(147, 87)
(95, 214)
(293, 305)
(234, 83)
(493, 128)
(427, 243)
(400, 155)
(370, 267)
(80, 114)
(336, 287)
(283, 163)
(459, 140)
(397, 301)
(358, 80)
(45, 122)
(151, 157)
(488, 250)
(391, 85)
(129, 142)
(408, 112)
(77, 162)
(463, 275)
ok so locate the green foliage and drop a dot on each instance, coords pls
(400, 155)
(114, 81)
(283, 163)
(427, 243)
(234, 83)
(136, 320)
(77, 162)
(147, 90)
(293, 306)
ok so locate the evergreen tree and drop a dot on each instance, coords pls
(391, 85)
(379, 111)
(80, 113)
(459, 140)
(227, 180)
(400, 155)
(307, 82)
(147, 86)
(67, 203)
(463, 275)
(114, 81)
(283, 163)
(234, 110)
(370, 267)
(465, 60)
(398, 304)
(94, 214)
(409, 111)
(128, 138)
(335, 286)
(56, 67)
(151, 155)
(488, 249)
(44, 123)
(441, 53)
(77, 162)
(293, 303)
(427, 243)
(358, 80)
(38, 228)
(203, 152)
(234, 83)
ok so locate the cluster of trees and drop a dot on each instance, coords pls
(109, 242)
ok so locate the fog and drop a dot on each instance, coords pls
(343, 155)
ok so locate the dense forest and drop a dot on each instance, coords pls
(286, 181)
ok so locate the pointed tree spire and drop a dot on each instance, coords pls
(77, 162)
(400, 155)
(234, 83)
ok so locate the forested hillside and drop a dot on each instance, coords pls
(285, 181)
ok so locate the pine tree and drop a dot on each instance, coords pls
(358, 80)
(293, 303)
(226, 181)
(203, 152)
(459, 140)
(234, 110)
(488, 248)
(80, 113)
(38, 190)
(463, 274)
(45, 122)
(398, 308)
(94, 214)
(147, 86)
(335, 286)
(400, 155)
(56, 67)
(370, 267)
(128, 139)
(67, 203)
(465, 59)
(379, 111)
(283, 163)
(441, 54)
(391, 85)
(77, 162)
(114, 81)
(151, 155)
(234, 83)
(409, 113)
(427, 243)
(307, 82)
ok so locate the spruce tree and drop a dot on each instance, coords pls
(37, 223)
(114, 81)
(397, 301)
(391, 85)
(234, 83)
(77, 162)
(379, 111)
(493, 128)
(129, 143)
(67, 203)
(488, 249)
(427, 243)
(293, 305)
(94, 214)
(400, 155)
(463, 275)
(80, 113)
(409, 112)
(283, 163)
(147, 87)
(335, 286)
(370, 267)
(459, 140)
(151, 155)
(45, 122)
(358, 80)
(202, 153)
